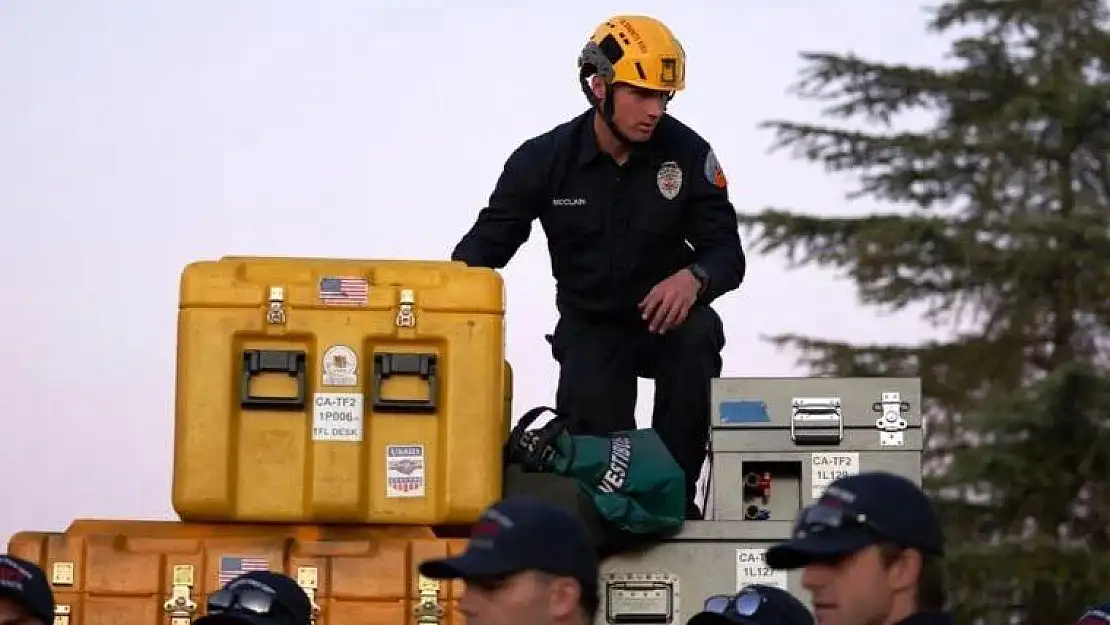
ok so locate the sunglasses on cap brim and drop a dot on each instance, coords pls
(247, 600)
(744, 603)
(822, 517)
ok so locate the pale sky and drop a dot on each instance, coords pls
(138, 136)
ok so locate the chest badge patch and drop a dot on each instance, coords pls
(669, 180)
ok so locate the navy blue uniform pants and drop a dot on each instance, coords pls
(601, 361)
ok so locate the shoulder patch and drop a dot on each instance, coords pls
(713, 172)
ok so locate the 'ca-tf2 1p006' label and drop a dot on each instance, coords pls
(337, 417)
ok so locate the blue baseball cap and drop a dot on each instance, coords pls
(1095, 615)
(519, 534)
(25, 583)
(755, 604)
(259, 598)
(857, 511)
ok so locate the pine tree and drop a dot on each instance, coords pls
(1003, 239)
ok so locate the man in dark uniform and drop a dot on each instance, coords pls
(871, 552)
(527, 562)
(642, 239)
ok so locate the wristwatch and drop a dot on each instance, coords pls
(701, 275)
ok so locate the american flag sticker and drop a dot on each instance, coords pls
(344, 291)
(234, 566)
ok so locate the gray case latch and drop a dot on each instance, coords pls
(816, 421)
(641, 599)
(891, 425)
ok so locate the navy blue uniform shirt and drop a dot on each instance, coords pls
(612, 231)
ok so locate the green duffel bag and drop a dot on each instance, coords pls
(631, 477)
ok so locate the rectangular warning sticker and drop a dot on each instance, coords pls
(405, 467)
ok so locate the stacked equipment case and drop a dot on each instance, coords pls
(775, 444)
(329, 413)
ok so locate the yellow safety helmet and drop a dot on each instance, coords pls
(635, 50)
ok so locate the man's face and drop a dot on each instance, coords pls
(636, 111)
(12, 613)
(858, 589)
(528, 597)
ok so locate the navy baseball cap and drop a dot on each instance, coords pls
(756, 604)
(258, 598)
(522, 534)
(857, 511)
(25, 583)
(1095, 615)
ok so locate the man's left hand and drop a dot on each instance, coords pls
(668, 302)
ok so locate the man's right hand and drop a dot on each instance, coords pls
(668, 302)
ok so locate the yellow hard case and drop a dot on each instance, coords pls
(339, 391)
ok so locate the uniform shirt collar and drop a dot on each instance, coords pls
(588, 150)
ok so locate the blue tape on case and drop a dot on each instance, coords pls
(745, 411)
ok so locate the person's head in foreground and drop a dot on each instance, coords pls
(526, 562)
(755, 604)
(259, 598)
(25, 595)
(870, 549)
(1095, 615)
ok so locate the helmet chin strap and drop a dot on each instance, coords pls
(607, 114)
(604, 107)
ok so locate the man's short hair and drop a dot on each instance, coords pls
(932, 585)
